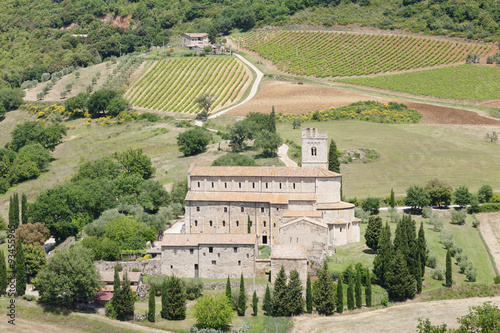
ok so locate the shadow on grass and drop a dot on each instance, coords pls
(47, 308)
(369, 251)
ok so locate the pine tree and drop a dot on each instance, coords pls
(152, 305)
(164, 300)
(124, 302)
(358, 288)
(418, 275)
(333, 158)
(350, 290)
(295, 299)
(384, 253)
(271, 127)
(309, 296)
(255, 303)
(422, 247)
(373, 230)
(24, 208)
(267, 306)
(392, 202)
(3, 274)
(175, 300)
(15, 203)
(279, 302)
(340, 295)
(20, 268)
(242, 298)
(229, 292)
(400, 284)
(449, 277)
(368, 288)
(324, 294)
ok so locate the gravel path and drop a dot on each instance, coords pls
(283, 156)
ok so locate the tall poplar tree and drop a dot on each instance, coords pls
(449, 274)
(384, 254)
(422, 248)
(271, 126)
(309, 296)
(295, 299)
(3, 274)
(333, 158)
(152, 305)
(229, 292)
(279, 302)
(267, 306)
(340, 295)
(358, 289)
(350, 290)
(20, 268)
(242, 298)
(324, 294)
(24, 209)
(368, 288)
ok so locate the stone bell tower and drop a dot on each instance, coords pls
(314, 149)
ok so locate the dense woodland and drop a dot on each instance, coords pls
(37, 37)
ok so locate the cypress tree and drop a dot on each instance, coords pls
(3, 274)
(279, 302)
(116, 286)
(152, 305)
(15, 203)
(124, 303)
(384, 253)
(411, 236)
(358, 289)
(350, 291)
(267, 302)
(333, 158)
(400, 284)
(20, 268)
(295, 299)
(255, 303)
(176, 300)
(373, 230)
(271, 127)
(242, 298)
(24, 208)
(418, 275)
(340, 295)
(12, 221)
(368, 288)
(392, 202)
(422, 248)
(229, 292)
(249, 225)
(164, 300)
(449, 277)
(309, 296)
(324, 295)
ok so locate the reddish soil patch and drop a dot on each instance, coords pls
(492, 104)
(434, 114)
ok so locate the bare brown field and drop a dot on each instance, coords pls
(435, 114)
(397, 319)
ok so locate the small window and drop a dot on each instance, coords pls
(223, 223)
(195, 223)
(277, 208)
(237, 223)
(253, 185)
(197, 209)
(267, 185)
(218, 255)
(313, 151)
(251, 223)
(175, 251)
(340, 229)
(199, 185)
(248, 256)
(225, 185)
(235, 249)
(274, 225)
(212, 184)
(239, 185)
(210, 249)
(171, 266)
(262, 209)
(242, 209)
(191, 251)
(294, 186)
(264, 224)
(239, 262)
(214, 262)
(297, 240)
(225, 209)
(280, 186)
(210, 223)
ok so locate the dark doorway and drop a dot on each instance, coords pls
(196, 271)
(264, 239)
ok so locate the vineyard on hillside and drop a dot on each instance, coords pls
(174, 84)
(325, 54)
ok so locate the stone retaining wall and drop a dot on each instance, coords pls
(148, 267)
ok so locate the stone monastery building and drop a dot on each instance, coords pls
(230, 211)
(281, 205)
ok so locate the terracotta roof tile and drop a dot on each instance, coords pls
(275, 198)
(205, 239)
(288, 252)
(242, 171)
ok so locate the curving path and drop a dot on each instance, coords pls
(283, 156)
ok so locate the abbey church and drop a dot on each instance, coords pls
(286, 206)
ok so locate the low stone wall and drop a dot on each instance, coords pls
(260, 266)
(148, 267)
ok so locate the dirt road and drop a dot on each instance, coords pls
(490, 230)
(397, 319)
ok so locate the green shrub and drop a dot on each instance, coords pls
(454, 249)
(438, 274)
(471, 274)
(426, 212)
(29, 298)
(152, 117)
(496, 279)
(489, 207)
(458, 216)
(135, 270)
(431, 261)
(193, 288)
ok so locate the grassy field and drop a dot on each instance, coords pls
(410, 154)
(464, 82)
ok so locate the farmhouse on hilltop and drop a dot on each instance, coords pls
(195, 41)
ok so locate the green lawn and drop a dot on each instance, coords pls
(410, 154)
(464, 82)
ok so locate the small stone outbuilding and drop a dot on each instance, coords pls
(290, 257)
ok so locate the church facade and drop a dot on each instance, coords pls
(280, 205)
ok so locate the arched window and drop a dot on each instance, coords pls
(237, 223)
(223, 223)
(313, 151)
(195, 223)
(210, 223)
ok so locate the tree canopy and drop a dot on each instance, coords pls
(193, 141)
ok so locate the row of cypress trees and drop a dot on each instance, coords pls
(400, 265)
(14, 216)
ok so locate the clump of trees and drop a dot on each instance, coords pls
(194, 141)
(104, 102)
